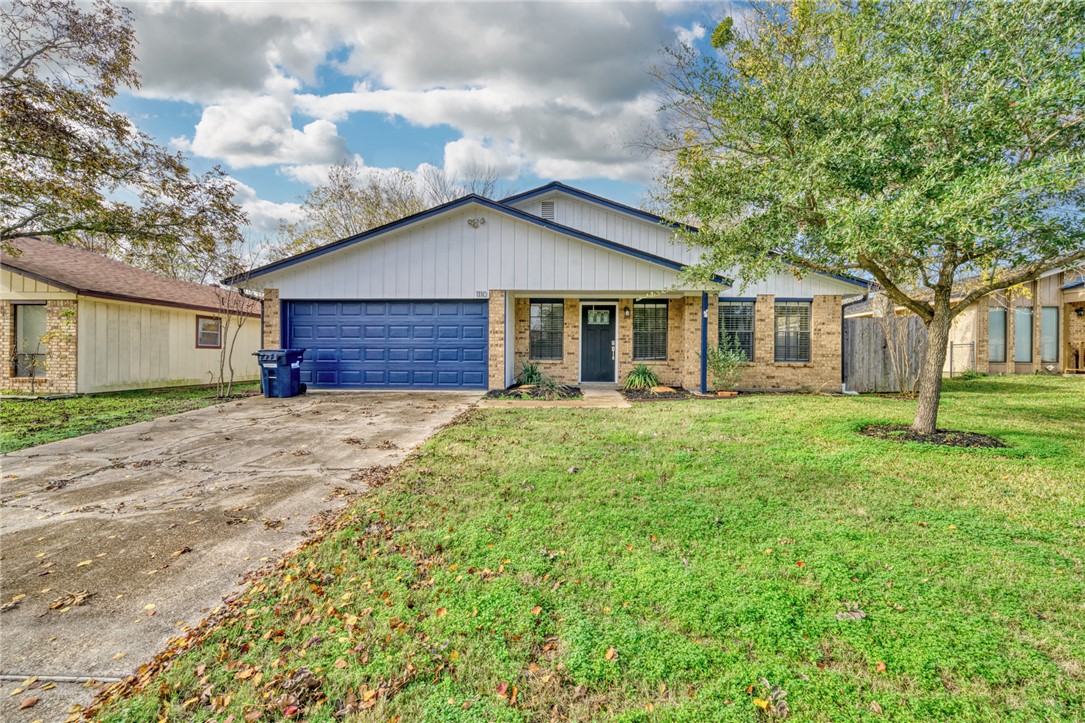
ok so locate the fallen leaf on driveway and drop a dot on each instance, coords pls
(28, 703)
(118, 656)
(71, 599)
(84, 563)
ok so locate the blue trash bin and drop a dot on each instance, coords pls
(280, 372)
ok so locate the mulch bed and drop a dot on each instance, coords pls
(645, 395)
(942, 437)
(517, 391)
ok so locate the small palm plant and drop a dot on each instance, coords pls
(642, 377)
(529, 374)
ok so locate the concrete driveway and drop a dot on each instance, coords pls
(157, 522)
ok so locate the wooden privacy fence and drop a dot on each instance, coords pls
(869, 356)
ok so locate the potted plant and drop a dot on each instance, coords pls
(725, 364)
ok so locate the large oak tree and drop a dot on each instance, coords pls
(73, 168)
(914, 142)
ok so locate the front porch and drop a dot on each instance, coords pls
(586, 337)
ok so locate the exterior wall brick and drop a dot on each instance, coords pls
(683, 364)
(497, 340)
(1074, 335)
(823, 370)
(272, 323)
(565, 370)
(61, 326)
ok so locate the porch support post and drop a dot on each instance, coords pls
(704, 342)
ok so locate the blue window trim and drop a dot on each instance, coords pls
(451, 206)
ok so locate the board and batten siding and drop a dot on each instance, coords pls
(139, 346)
(655, 238)
(446, 258)
(16, 287)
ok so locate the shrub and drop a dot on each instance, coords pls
(725, 364)
(530, 374)
(548, 387)
(642, 377)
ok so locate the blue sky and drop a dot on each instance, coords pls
(274, 92)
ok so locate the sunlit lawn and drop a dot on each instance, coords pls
(696, 548)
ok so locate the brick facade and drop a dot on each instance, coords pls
(497, 340)
(822, 372)
(271, 321)
(682, 366)
(60, 375)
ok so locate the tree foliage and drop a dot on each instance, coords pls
(352, 200)
(74, 169)
(914, 142)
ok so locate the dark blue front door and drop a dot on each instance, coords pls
(597, 324)
(390, 344)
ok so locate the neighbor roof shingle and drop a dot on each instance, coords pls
(91, 274)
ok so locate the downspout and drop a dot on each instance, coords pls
(704, 342)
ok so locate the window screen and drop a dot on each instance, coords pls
(649, 330)
(1049, 334)
(208, 332)
(547, 327)
(1022, 334)
(793, 331)
(29, 349)
(996, 348)
(736, 326)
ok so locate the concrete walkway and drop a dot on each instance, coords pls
(156, 522)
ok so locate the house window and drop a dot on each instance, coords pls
(736, 326)
(1022, 334)
(793, 331)
(650, 330)
(1049, 334)
(30, 350)
(996, 335)
(208, 332)
(547, 329)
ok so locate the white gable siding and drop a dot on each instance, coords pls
(660, 240)
(16, 287)
(620, 227)
(445, 258)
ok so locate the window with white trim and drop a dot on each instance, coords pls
(208, 332)
(793, 331)
(650, 331)
(30, 350)
(547, 326)
(736, 326)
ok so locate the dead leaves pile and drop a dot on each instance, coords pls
(69, 600)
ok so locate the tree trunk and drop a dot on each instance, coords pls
(930, 377)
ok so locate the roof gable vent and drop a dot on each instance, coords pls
(548, 210)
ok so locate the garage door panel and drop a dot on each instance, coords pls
(391, 344)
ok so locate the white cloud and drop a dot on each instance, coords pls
(690, 35)
(559, 88)
(259, 131)
(264, 215)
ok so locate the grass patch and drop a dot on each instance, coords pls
(695, 549)
(29, 422)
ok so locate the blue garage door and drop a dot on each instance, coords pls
(390, 344)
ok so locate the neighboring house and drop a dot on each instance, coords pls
(461, 295)
(1038, 327)
(79, 322)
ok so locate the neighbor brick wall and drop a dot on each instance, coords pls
(272, 323)
(60, 375)
(821, 372)
(1074, 326)
(497, 340)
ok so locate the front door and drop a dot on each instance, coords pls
(597, 325)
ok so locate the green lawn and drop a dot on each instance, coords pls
(25, 423)
(697, 548)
